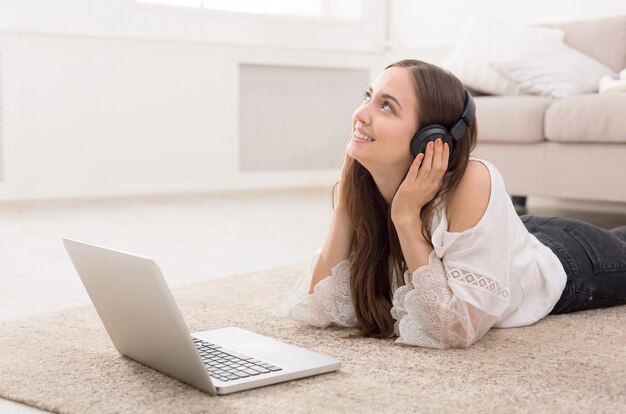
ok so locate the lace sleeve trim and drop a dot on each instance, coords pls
(428, 313)
(474, 279)
(330, 302)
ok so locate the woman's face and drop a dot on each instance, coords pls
(388, 119)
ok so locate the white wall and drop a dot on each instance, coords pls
(106, 98)
(101, 116)
(417, 24)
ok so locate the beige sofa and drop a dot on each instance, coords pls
(571, 148)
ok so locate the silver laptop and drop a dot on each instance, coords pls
(144, 323)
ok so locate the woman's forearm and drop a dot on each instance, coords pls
(337, 246)
(415, 247)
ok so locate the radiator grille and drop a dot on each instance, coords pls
(296, 118)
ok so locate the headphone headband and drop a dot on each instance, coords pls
(458, 130)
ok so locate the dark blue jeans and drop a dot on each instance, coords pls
(594, 260)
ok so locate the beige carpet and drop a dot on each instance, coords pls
(65, 362)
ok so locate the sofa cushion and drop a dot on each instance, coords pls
(511, 118)
(587, 118)
(554, 69)
(602, 39)
(486, 39)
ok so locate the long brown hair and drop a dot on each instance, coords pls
(376, 248)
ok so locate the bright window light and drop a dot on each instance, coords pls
(345, 9)
(312, 8)
(242, 6)
(323, 9)
(180, 3)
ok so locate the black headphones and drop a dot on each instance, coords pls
(434, 131)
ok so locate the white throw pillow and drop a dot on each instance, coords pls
(554, 69)
(486, 40)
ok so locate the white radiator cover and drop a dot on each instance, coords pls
(295, 118)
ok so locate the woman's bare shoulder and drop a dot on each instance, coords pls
(468, 203)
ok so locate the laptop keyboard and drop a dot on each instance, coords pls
(228, 365)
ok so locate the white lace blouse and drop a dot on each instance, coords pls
(495, 274)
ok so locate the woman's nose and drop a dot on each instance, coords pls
(362, 114)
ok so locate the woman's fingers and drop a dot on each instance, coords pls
(424, 170)
(435, 161)
(417, 162)
(433, 164)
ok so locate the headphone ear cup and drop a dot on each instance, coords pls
(427, 134)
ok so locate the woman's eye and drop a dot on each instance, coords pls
(368, 96)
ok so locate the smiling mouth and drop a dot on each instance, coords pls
(362, 136)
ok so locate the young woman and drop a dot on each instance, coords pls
(429, 248)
